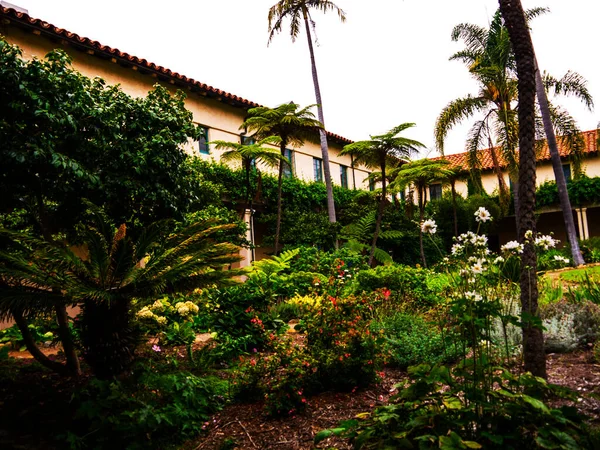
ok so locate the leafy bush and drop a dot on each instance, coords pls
(432, 412)
(568, 325)
(150, 410)
(410, 339)
(408, 285)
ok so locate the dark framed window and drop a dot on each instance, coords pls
(344, 176)
(318, 169)
(567, 172)
(288, 168)
(435, 191)
(371, 184)
(203, 141)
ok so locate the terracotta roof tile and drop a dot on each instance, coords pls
(24, 20)
(485, 156)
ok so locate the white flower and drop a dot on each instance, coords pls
(145, 313)
(429, 226)
(477, 268)
(528, 234)
(157, 306)
(482, 215)
(512, 247)
(457, 249)
(499, 260)
(561, 259)
(161, 320)
(472, 295)
(545, 242)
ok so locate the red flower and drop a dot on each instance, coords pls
(387, 293)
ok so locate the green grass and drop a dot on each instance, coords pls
(576, 275)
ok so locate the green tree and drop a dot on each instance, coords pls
(114, 269)
(379, 152)
(293, 125)
(420, 174)
(489, 57)
(66, 137)
(297, 11)
(533, 339)
(250, 156)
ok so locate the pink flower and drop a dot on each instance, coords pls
(156, 348)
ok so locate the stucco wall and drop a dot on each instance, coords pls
(223, 120)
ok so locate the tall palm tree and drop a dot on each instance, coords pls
(103, 283)
(251, 156)
(533, 339)
(297, 11)
(293, 125)
(489, 57)
(379, 152)
(420, 174)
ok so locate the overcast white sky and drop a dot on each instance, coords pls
(386, 65)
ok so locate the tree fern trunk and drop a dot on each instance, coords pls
(559, 176)
(533, 340)
(379, 214)
(279, 189)
(322, 132)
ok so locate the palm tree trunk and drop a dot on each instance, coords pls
(559, 176)
(420, 194)
(502, 188)
(33, 348)
(322, 132)
(379, 214)
(279, 188)
(533, 339)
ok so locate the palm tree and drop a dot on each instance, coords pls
(489, 57)
(293, 126)
(296, 11)
(420, 174)
(379, 152)
(533, 339)
(250, 156)
(103, 283)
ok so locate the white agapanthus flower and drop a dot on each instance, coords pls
(512, 247)
(482, 215)
(561, 259)
(545, 242)
(429, 226)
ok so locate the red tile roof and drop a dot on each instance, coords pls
(485, 156)
(10, 15)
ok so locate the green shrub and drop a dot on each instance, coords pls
(410, 340)
(150, 410)
(408, 285)
(568, 325)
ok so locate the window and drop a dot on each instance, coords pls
(318, 168)
(567, 171)
(435, 191)
(203, 141)
(247, 140)
(344, 176)
(371, 184)
(288, 169)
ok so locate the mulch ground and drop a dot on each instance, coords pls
(245, 426)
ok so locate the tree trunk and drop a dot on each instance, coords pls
(322, 132)
(533, 339)
(559, 176)
(454, 214)
(379, 213)
(108, 338)
(279, 188)
(503, 191)
(62, 318)
(33, 348)
(420, 194)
